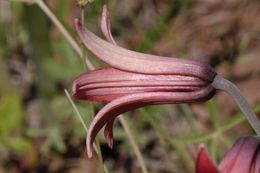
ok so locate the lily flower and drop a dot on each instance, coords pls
(135, 79)
(244, 157)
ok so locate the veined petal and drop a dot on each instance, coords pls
(230, 157)
(255, 168)
(105, 25)
(107, 75)
(204, 164)
(242, 157)
(108, 84)
(127, 60)
(133, 101)
(108, 132)
(109, 94)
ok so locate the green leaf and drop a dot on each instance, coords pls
(10, 114)
(20, 145)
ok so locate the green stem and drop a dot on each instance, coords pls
(238, 118)
(62, 29)
(185, 157)
(82, 18)
(134, 144)
(96, 148)
(78, 114)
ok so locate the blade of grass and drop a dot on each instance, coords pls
(213, 112)
(25, 1)
(133, 143)
(62, 29)
(189, 117)
(237, 119)
(84, 125)
(77, 113)
(185, 157)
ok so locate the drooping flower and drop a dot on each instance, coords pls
(136, 79)
(244, 157)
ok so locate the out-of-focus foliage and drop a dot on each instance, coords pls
(37, 63)
(39, 130)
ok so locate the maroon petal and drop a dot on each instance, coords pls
(108, 84)
(242, 156)
(133, 101)
(255, 168)
(127, 60)
(108, 132)
(204, 164)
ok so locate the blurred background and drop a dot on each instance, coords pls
(39, 129)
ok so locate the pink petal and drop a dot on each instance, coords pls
(256, 163)
(241, 156)
(108, 84)
(127, 60)
(105, 25)
(229, 159)
(204, 163)
(133, 101)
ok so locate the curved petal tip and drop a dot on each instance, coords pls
(89, 149)
(108, 133)
(77, 23)
(79, 27)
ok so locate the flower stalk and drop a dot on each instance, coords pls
(225, 85)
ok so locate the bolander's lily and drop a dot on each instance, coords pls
(135, 79)
(244, 157)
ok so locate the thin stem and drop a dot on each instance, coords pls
(82, 18)
(77, 113)
(198, 138)
(213, 113)
(189, 116)
(237, 119)
(96, 148)
(134, 144)
(99, 153)
(82, 15)
(62, 29)
(184, 156)
(97, 142)
(25, 1)
(223, 84)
